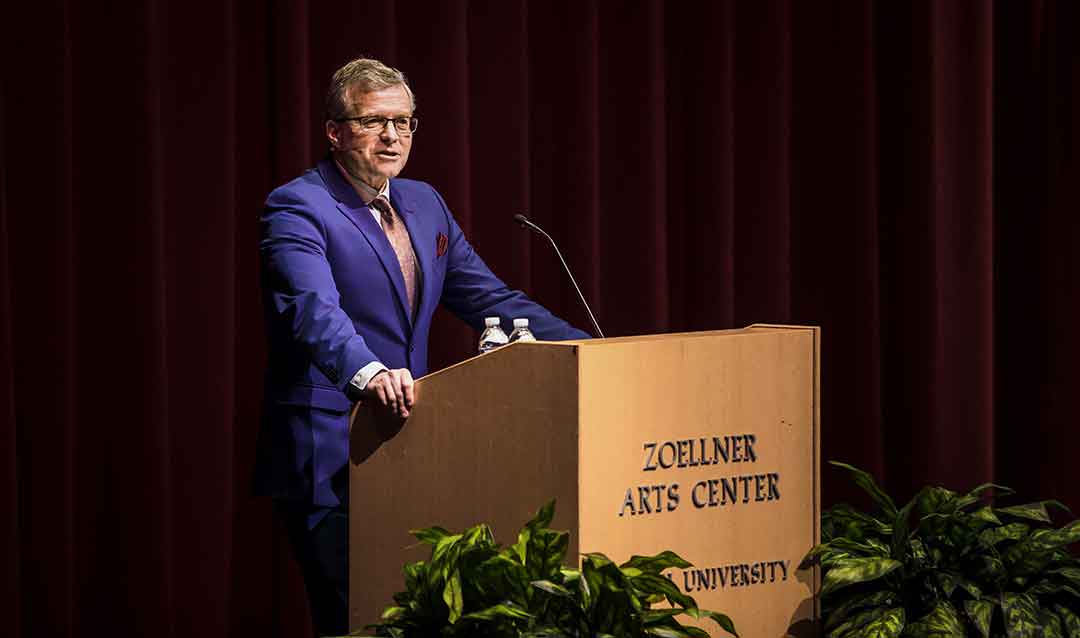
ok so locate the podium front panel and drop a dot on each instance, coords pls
(490, 440)
(706, 445)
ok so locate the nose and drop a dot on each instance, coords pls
(389, 132)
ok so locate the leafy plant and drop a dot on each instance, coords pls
(947, 564)
(473, 587)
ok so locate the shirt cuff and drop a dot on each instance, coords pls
(363, 375)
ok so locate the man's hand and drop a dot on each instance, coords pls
(393, 389)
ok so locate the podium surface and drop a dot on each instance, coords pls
(702, 443)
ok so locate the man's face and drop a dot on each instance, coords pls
(372, 157)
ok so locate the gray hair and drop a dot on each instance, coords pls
(368, 74)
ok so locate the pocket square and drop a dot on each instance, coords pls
(440, 245)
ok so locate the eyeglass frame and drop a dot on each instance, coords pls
(414, 123)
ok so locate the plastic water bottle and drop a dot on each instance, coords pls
(493, 336)
(521, 331)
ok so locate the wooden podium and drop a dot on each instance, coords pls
(703, 443)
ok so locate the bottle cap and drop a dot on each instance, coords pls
(491, 321)
(521, 323)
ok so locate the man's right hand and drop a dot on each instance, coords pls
(394, 390)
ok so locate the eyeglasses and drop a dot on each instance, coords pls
(376, 123)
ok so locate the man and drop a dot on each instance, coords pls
(354, 264)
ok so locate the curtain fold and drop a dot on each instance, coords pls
(903, 175)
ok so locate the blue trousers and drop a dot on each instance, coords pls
(323, 554)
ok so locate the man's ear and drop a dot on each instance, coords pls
(332, 134)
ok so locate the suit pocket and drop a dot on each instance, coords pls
(324, 397)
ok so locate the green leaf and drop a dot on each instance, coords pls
(963, 502)
(999, 490)
(444, 558)
(971, 588)
(552, 588)
(980, 612)
(1030, 511)
(989, 568)
(538, 522)
(1069, 572)
(546, 632)
(522, 543)
(666, 632)
(918, 552)
(986, 514)
(947, 581)
(415, 573)
(888, 625)
(546, 553)
(840, 548)
(943, 621)
(596, 559)
(655, 584)
(865, 547)
(1021, 615)
(720, 619)
(858, 602)
(857, 570)
(1070, 622)
(392, 612)
(576, 577)
(543, 515)
(1033, 554)
(843, 521)
(653, 616)
(936, 500)
(1012, 532)
(1050, 625)
(657, 563)
(501, 610)
(854, 624)
(866, 482)
(1047, 539)
(479, 536)
(1058, 505)
(592, 579)
(452, 596)
(430, 535)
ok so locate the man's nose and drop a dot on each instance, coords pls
(389, 132)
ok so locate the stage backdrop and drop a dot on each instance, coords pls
(904, 175)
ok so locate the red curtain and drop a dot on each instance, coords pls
(905, 175)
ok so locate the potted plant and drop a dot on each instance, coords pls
(471, 586)
(947, 564)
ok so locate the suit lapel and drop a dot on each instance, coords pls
(350, 205)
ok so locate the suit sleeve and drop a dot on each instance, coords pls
(471, 291)
(303, 297)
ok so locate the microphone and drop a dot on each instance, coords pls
(525, 223)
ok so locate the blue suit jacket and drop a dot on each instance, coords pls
(334, 299)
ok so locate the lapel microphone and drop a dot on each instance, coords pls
(525, 223)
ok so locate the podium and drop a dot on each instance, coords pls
(702, 443)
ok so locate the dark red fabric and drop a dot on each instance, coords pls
(905, 175)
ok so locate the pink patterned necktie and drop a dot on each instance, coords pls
(399, 238)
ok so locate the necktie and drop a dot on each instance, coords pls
(399, 238)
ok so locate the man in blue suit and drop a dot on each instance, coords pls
(354, 264)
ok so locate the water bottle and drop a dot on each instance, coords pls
(493, 336)
(521, 331)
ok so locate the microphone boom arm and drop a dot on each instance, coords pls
(524, 221)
